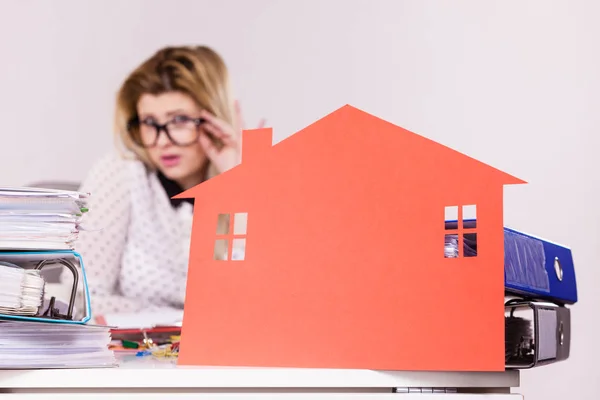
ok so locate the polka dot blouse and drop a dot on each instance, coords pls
(135, 252)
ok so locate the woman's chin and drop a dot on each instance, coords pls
(174, 173)
(184, 178)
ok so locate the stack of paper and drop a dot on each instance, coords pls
(40, 219)
(21, 290)
(45, 345)
(36, 227)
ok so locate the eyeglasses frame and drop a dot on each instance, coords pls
(134, 123)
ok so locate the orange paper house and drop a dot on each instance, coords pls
(335, 254)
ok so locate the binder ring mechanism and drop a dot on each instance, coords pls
(53, 312)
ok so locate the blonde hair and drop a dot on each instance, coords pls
(197, 71)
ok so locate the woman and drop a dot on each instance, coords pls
(179, 126)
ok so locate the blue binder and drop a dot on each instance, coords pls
(30, 259)
(533, 268)
(538, 269)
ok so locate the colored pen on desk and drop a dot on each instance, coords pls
(130, 345)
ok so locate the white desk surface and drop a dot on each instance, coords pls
(147, 372)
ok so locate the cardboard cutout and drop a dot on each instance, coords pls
(336, 254)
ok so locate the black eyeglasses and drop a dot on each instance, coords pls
(181, 130)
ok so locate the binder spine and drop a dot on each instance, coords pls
(524, 263)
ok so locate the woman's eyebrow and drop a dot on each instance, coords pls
(177, 111)
(170, 113)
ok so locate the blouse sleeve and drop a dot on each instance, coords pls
(102, 246)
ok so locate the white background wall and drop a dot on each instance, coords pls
(514, 84)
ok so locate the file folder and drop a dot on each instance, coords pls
(533, 267)
(537, 333)
(54, 310)
(538, 269)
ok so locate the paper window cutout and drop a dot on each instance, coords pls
(460, 239)
(230, 243)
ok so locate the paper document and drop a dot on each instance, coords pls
(53, 345)
(40, 219)
(21, 290)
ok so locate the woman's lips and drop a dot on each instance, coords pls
(170, 160)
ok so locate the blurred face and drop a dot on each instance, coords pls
(169, 129)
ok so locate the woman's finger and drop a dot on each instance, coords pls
(220, 124)
(227, 139)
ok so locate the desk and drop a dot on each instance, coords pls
(148, 378)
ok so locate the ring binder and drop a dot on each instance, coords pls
(533, 267)
(39, 260)
(538, 268)
(539, 333)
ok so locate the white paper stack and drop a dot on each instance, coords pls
(21, 290)
(38, 345)
(40, 219)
